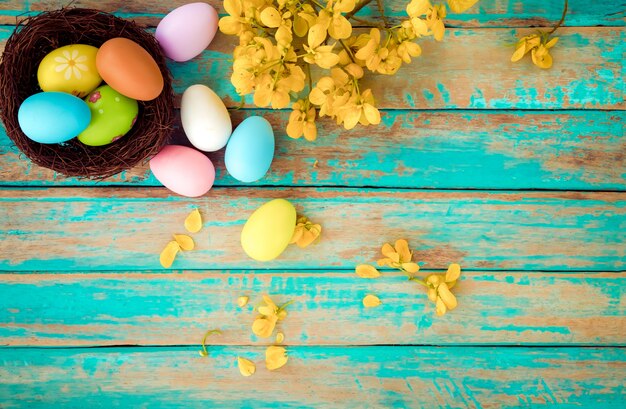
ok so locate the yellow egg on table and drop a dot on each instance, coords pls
(269, 230)
(70, 69)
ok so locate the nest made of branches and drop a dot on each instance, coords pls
(35, 37)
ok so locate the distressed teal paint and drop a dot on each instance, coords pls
(577, 74)
(479, 230)
(487, 13)
(581, 150)
(381, 376)
(150, 308)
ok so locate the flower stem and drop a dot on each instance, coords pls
(561, 20)
(358, 8)
(345, 47)
(417, 280)
(204, 351)
(381, 10)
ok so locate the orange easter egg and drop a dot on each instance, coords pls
(129, 69)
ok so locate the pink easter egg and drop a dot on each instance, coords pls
(187, 30)
(183, 170)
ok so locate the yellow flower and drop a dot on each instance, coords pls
(408, 49)
(417, 8)
(538, 45)
(434, 21)
(270, 313)
(399, 256)
(305, 232)
(234, 23)
(359, 109)
(439, 286)
(302, 121)
(270, 92)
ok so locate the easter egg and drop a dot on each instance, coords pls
(269, 229)
(187, 30)
(70, 69)
(129, 69)
(205, 118)
(183, 170)
(53, 117)
(250, 150)
(112, 116)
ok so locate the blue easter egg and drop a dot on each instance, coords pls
(53, 117)
(250, 150)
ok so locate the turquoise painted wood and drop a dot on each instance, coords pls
(175, 308)
(73, 229)
(582, 150)
(590, 73)
(315, 377)
(466, 138)
(487, 13)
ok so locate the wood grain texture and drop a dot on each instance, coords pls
(487, 13)
(470, 69)
(583, 150)
(315, 377)
(73, 229)
(87, 309)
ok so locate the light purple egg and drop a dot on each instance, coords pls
(186, 31)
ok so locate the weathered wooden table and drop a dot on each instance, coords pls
(515, 172)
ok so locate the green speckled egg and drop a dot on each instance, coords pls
(112, 116)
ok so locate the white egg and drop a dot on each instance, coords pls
(205, 118)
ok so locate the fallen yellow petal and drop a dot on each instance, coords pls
(242, 301)
(367, 271)
(371, 301)
(264, 326)
(411, 268)
(193, 222)
(402, 248)
(275, 357)
(440, 306)
(280, 337)
(446, 296)
(246, 367)
(185, 242)
(453, 273)
(169, 254)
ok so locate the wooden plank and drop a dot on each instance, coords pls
(487, 13)
(471, 69)
(581, 150)
(504, 308)
(63, 229)
(315, 377)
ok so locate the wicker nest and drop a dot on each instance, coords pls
(36, 37)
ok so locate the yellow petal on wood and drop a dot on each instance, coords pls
(242, 301)
(275, 357)
(388, 251)
(440, 306)
(282, 314)
(193, 222)
(367, 271)
(411, 268)
(297, 234)
(432, 294)
(246, 367)
(371, 301)
(280, 337)
(402, 248)
(169, 254)
(446, 296)
(263, 327)
(552, 42)
(459, 6)
(519, 53)
(185, 242)
(453, 273)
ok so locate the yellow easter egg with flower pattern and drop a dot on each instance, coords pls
(70, 69)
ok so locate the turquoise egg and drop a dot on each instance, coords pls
(53, 117)
(250, 150)
(112, 116)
